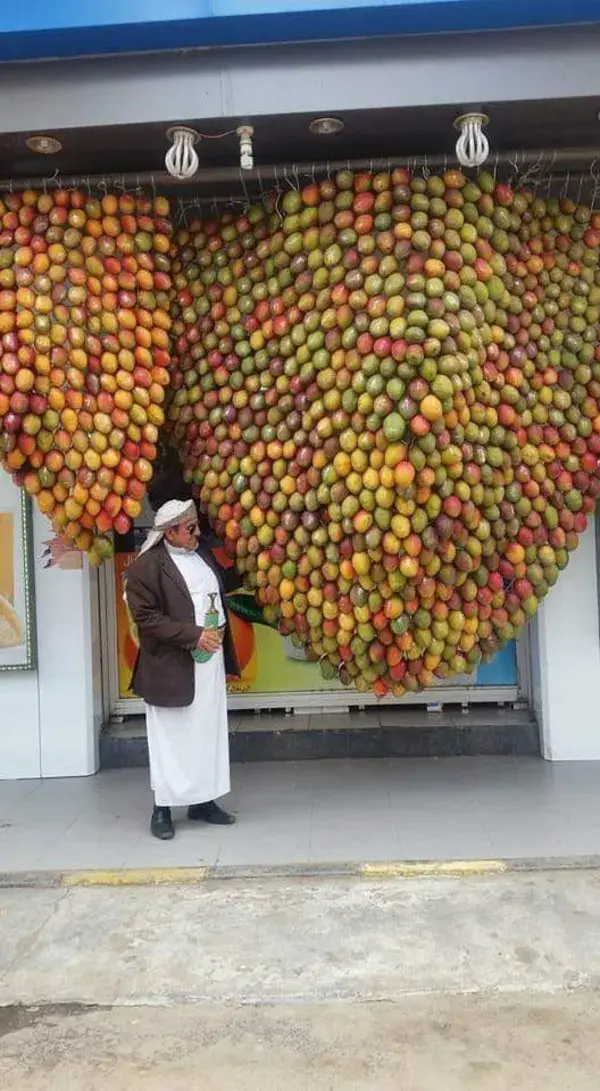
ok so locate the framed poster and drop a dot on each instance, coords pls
(270, 663)
(17, 600)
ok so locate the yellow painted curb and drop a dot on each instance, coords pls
(443, 868)
(167, 876)
(191, 876)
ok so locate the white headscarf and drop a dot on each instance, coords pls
(169, 515)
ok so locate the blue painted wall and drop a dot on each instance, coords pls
(40, 29)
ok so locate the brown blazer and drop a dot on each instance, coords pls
(162, 609)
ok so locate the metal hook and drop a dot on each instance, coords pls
(496, 162)
(530, 177)
(277, 209)
(549, 178)
(596, 180)
(565, 190)
(246, 194)
(50, 181)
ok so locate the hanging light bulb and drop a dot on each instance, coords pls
(181, 159)
(472, 146)
(245, 134)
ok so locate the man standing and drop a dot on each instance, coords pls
(176, 600)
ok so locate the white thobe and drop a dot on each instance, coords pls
(189, 747)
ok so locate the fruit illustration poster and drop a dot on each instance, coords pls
(269, 662)
(15, 645)
(127, 641)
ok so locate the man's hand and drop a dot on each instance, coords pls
(210, 641)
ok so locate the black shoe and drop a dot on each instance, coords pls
(210, 812)
(161, 825)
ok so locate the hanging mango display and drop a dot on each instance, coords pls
(386, 390)
(85, 352)
(384, 387)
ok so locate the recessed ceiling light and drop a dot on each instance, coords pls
(44, 145)
(326, 126)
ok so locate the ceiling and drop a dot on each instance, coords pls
(381, 134)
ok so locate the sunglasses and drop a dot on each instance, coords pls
(187, 528)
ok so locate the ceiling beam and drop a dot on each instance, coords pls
(245, 83)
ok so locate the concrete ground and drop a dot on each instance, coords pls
(540, 1043)
(313, 812)
(479, 983)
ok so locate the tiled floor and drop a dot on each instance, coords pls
(328, 811)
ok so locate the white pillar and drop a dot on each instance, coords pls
(19, 725)
(566, 661)
(67, 678)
